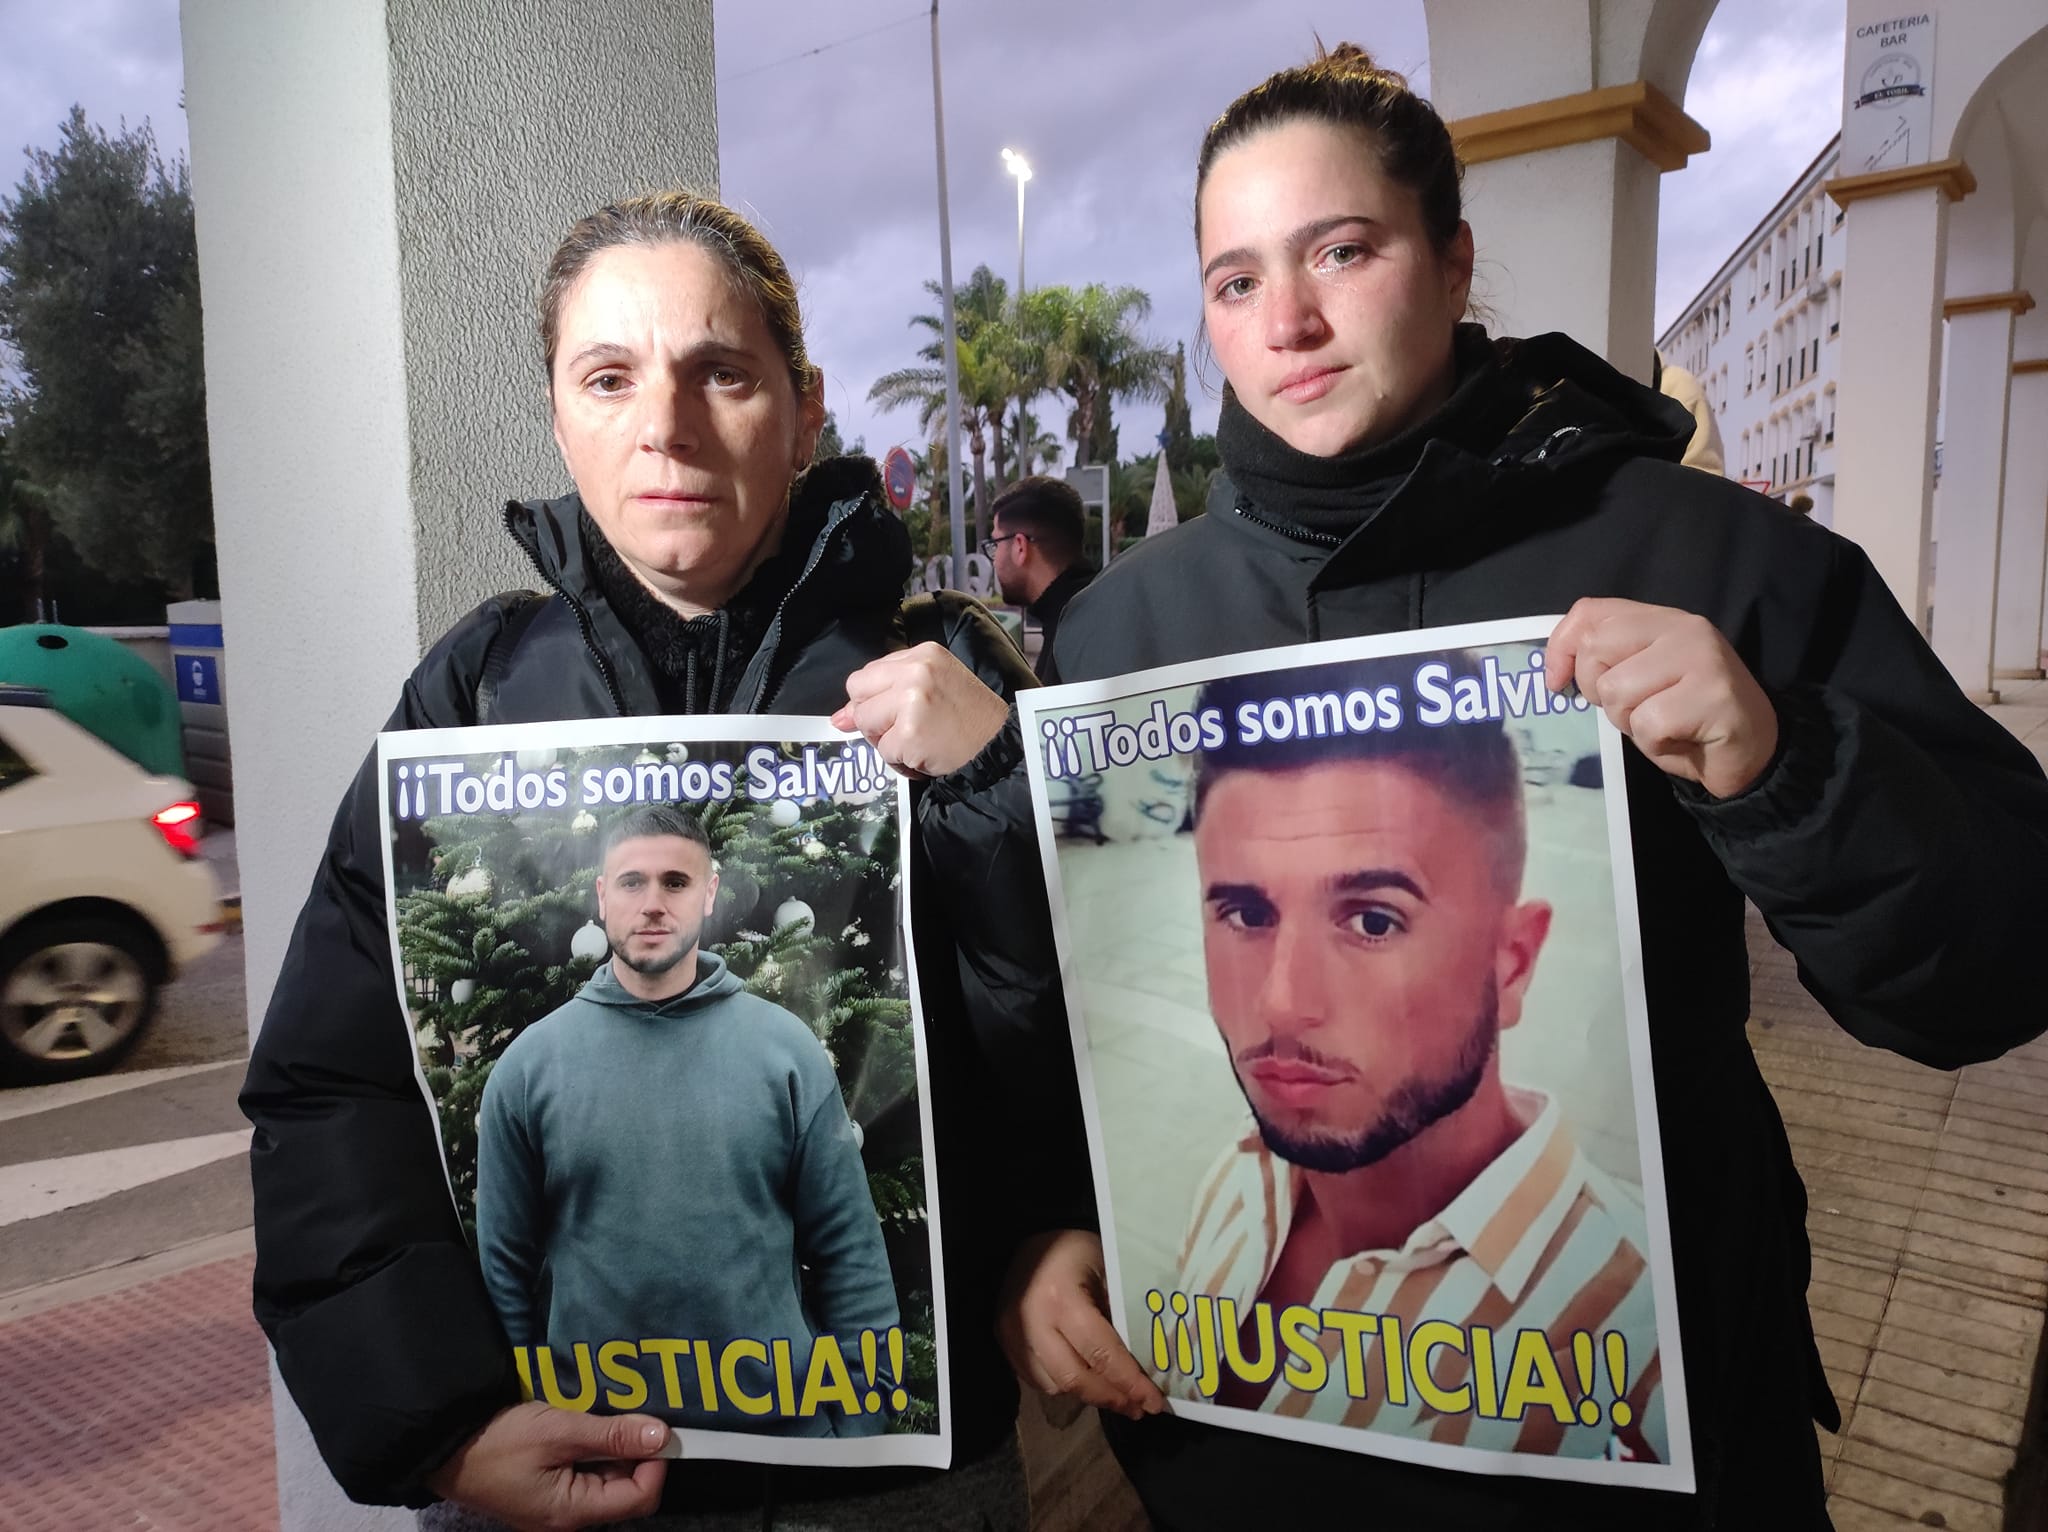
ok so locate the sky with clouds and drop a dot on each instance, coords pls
(832, 150)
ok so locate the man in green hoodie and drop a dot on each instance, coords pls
(668, 1159)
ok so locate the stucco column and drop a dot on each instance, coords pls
(1896, 234)
(2023, 542)
(378, 183)
(1565, 113)
(1972, 493)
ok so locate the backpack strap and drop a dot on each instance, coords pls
(520, 607)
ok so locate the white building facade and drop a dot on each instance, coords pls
(1763, 339)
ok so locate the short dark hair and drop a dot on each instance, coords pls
(1474, 764)
(650, 819)
(1048, 510)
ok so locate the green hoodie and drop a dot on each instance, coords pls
(677, 1170)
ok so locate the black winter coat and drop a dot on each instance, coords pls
(1897, 846)
(364, 1284)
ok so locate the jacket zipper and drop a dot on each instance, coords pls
(1295, 534)
(604, 668)
(772, 639)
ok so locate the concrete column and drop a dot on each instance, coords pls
(1887, 382)
(1565, 112)
(1972, 494)
(2023, 557)
(378, 183)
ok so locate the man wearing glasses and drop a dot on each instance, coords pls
(1036, 551)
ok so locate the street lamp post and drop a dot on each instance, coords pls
(954, 492)
(1019, 167)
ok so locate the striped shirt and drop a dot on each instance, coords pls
(1540, 1239)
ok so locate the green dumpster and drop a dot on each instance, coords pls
(103, 688)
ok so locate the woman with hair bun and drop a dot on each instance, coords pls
(1792, 742)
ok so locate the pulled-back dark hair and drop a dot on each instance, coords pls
(680, 216)
(1473, 764)
(653, 819)
(1343, 87)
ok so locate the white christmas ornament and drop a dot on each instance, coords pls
(534, 760)
(679, 752)
(462, 991)
(472, 884)
(589, 942)
(794, 912)
(584, 822)
(814, 849)
(646, 758)
(784, 812)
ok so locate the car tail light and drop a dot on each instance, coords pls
(180, 825)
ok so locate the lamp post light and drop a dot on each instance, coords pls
(1019, 167)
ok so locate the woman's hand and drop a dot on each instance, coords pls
(540, 1469)
(923, 711)
(1055, 1328)
(1671, 683)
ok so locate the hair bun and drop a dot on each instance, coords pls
(1350, 61)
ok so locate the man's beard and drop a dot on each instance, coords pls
(655, 967)
(1417, 1104)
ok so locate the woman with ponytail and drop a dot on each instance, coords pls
(1793, 743)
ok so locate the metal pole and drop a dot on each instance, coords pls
(1020, 239)
(953, 490)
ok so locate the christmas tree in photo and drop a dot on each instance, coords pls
(497, 928)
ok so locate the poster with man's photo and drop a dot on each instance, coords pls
(1349, 945)
(658, 985)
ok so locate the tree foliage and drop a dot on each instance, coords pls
(99, 304)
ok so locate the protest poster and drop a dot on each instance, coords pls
(1348, 939)
(663, 1006)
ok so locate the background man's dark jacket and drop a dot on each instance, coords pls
(364, 1283)
(1897, 846)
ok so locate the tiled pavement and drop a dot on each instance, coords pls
(147, 1405)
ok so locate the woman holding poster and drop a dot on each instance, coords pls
(705, 566)
(1793, 741)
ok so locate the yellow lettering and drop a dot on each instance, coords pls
(668, 1351)
(1533, 1379)
(728, 1374)
(827, 1381)
(586, 1380)
(1354, 1328)
(1485, 1385)
(1426, 1336)
(1261, 1369)
(785, 1385)
(1310, 1369)
(525, 1372)
(612, 1358)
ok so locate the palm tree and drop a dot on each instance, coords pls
(1094, 352)
(995, 365)
(984, 392)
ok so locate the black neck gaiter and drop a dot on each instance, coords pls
(1326, 499)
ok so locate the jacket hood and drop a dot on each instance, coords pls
(715, 981)
(1562, 404)
(836, 514)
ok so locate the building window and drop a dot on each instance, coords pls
(1819, 243)
(1809, 460)
(1816, 353)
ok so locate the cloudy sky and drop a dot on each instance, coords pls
(832, 150)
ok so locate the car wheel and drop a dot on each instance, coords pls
(75, 997)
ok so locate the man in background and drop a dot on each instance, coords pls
(1036, 550)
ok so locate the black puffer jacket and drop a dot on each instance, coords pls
(1897, 846)
(364, 1283)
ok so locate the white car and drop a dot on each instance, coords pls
(103, 897)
